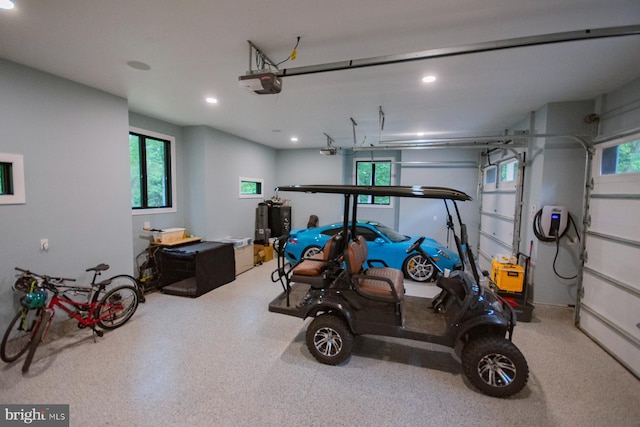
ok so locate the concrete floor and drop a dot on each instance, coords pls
(223, 360)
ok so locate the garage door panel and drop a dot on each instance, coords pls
(624, 350)
(614, 260)
(498, 228)
(613, 303)
(611, 217)
(492, 248)
(499, 203)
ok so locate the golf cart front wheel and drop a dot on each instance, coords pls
(329, 339)
(495, 366)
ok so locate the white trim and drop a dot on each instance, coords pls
(17, 180)
(174, 178)
(250, 196)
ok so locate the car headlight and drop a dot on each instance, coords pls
(443, 253)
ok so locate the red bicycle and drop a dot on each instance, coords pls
(107, 310)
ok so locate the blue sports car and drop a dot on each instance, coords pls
(384, 244)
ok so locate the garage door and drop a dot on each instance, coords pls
(499, 209)
(609, 309)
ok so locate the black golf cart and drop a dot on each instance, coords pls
(348, 295)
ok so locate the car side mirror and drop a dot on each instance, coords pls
(379, 241)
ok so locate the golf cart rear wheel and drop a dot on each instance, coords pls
(495, 366)
(417, 268)
(329, 339)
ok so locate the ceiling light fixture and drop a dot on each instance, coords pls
(212, 100)
(137, 65)
(429, 79)
(294, 139)
(6, 4)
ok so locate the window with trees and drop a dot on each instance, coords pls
(152, 170)
(12, 190)
(251, 188)
(373, 173)
(509, 171)
(620, 159)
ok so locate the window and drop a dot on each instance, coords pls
(490, 175)
(11, 179)
(370, 173)
(509, 171)
(6, 178)
(251, 188)
(622, 158)
(152, 170)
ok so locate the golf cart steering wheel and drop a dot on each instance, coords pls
(416, 244)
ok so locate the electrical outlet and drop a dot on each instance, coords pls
(44, 245)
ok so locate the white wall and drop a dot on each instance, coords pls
(561, 182)
(74, 141)
(428, 218)
(216, 161)
(167, 220)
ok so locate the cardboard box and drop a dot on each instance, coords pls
(507, 277)
(263, 253)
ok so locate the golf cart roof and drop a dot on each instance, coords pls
(418, 191)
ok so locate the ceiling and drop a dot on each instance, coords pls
(198, 49)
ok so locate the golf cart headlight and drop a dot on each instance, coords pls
(497, 306)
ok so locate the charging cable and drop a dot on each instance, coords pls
(537, 230)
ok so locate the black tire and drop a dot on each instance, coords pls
(310, 251)
(125, 298)
(419, 269)
(126, 280)
(495, 366)
(18, 335)
(329, 339)
(41, 326)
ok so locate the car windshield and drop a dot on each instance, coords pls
(393, 235)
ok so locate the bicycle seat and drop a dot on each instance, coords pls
(99, 267)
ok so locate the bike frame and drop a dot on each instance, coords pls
(67, 306)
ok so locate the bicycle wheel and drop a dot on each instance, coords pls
(18, 335)
(40, 327)
(126, 280)
(116, 307)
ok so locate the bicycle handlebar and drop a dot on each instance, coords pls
(45, 277)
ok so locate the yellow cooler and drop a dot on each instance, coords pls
(507, 277)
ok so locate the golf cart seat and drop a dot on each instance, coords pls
(379, 283)
(310, 270)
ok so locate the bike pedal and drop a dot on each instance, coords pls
(98, 333)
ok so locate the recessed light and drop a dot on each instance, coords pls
(139, 65)
(429, 79)
(420, 134)
(212, 100)
(294, 139)
(6, 4)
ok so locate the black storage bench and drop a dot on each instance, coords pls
(194, 269)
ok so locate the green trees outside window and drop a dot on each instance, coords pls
(619, 159)
(373, 173)
(150, 162)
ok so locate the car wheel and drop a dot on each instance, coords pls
(495, 366)
(310, 251)
(329, 339)
(417, 268)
